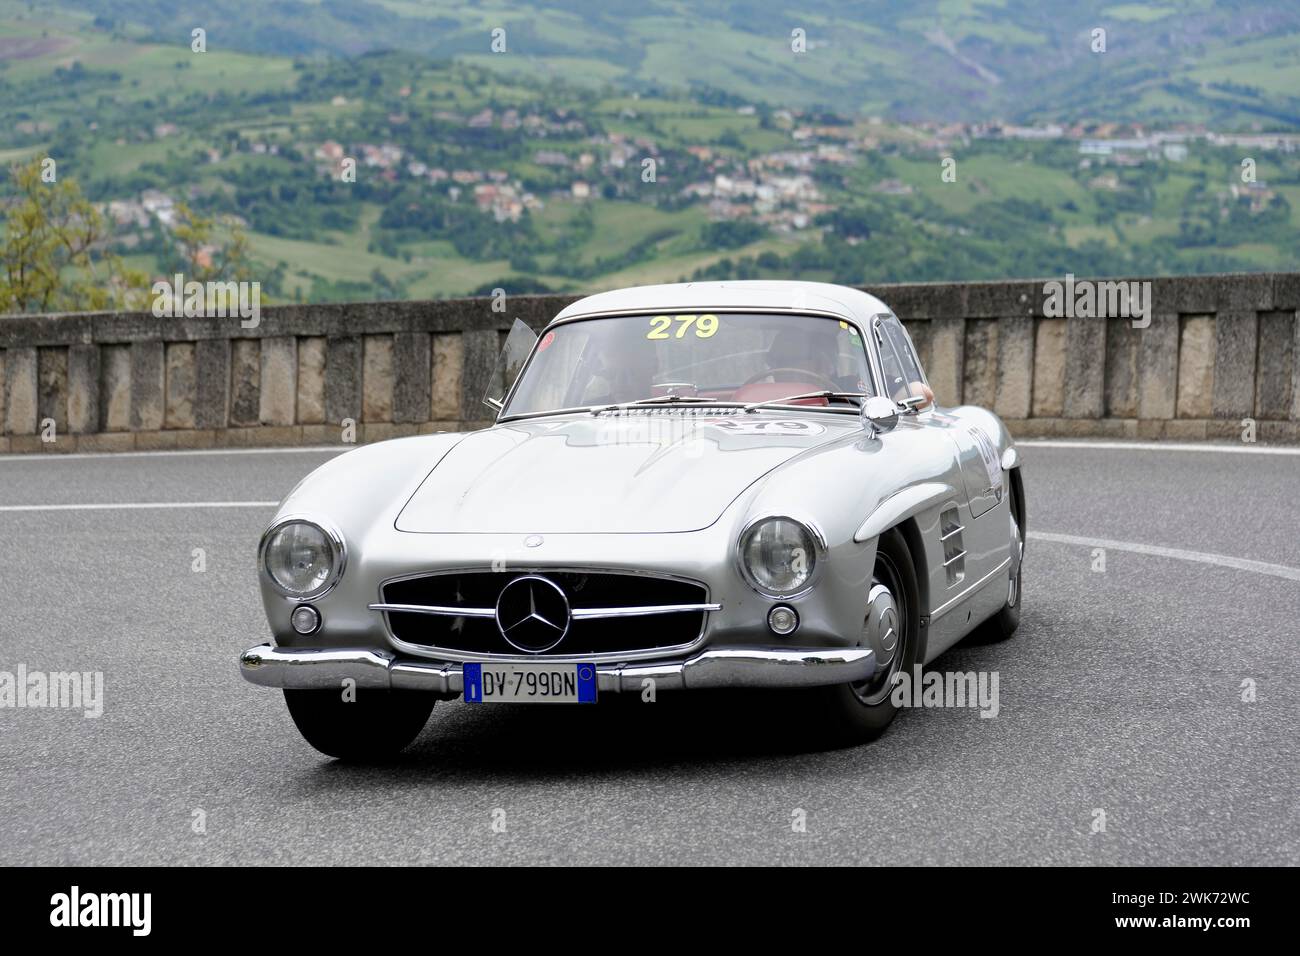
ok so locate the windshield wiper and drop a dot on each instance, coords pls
(665, 400)
(826, 394)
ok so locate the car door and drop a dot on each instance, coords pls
(981, 466)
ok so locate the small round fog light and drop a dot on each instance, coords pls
(782, 620)
(305, 619)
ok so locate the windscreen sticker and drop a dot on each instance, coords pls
(778, 426)
(662, 326)
(545, 344)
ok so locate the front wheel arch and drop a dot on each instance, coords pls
(911, 533)
(1017, 497)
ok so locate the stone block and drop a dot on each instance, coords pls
(343, 379)
(245, 382)
(115, 388)
(83, 388)
(1236, 341)
(1196, 367)
(20, 387)
(148, 373)
(1049, 368)
(311, 380)
(412, 377)
(377, 379)
(278, 391)
(946, 368)
(211, 383)
(447, 360)
(52, 401)
(182, 371)
(1123, 357)
(1015, 366)
(980, 352)
(1276, 373)
(1085, 368)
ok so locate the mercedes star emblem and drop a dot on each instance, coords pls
(533, 613)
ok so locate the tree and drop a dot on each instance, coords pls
(205, 257)
(52, 254)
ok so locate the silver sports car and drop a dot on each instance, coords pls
(740, 484)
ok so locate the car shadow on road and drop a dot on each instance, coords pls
(501, 743)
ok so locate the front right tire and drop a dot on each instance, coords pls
(376, 725)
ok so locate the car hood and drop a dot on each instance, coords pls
(615, 473)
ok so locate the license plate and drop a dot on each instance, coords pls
(530, 683)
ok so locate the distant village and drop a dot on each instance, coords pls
(778, 189)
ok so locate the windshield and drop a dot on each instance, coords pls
(723, 357)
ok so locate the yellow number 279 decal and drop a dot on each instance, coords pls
(661, 326)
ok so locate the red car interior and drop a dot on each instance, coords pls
(766, 391)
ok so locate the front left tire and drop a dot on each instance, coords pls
(856, 713)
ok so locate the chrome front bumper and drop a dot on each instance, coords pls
(326, 668)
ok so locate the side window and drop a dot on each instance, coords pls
(852, 367)
(903, 374)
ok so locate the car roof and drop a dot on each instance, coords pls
(758, 295)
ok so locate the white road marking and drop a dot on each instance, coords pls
(1242, 449)
(187, 453)
(141, 505)
(1201, 557)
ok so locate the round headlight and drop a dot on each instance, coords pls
(301, 558)
(778, 555)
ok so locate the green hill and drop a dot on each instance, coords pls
(567, 170)
(1223, 62)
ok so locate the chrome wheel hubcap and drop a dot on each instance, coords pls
(881, 628)
(882, 631)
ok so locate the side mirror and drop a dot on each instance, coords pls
(519, 344)
(879, 415)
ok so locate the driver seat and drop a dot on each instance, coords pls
(790, 349)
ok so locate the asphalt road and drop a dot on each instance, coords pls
(1122, 693)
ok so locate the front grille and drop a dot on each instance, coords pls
(480, 589)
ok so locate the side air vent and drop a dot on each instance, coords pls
(954, 555)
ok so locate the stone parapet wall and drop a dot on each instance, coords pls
(1218, 350)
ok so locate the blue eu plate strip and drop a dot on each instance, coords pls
(473, 674)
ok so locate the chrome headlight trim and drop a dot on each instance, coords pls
(819, 556)
(332, 535)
